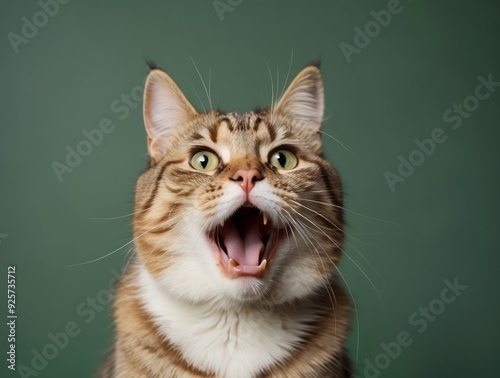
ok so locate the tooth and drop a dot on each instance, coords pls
(263, 264)
(265, 218)
(222, 223)
(232, 263)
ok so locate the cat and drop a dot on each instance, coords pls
(238, 230)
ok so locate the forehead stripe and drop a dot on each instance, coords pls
(229, 124)
(271, 131)
(213, 132)
(256, 123)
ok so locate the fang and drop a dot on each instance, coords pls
(263, 264)
(232, 263)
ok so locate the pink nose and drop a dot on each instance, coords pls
(247, 178)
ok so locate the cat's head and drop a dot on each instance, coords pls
(238, 206)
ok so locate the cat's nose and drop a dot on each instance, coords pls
(247, 178)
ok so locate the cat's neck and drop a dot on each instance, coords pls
(165, 336)
(226, 338)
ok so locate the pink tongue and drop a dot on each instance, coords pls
(246, 250)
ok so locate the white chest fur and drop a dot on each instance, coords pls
(232, 341)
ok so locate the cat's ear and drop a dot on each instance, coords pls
(165, 108)
(304, 98)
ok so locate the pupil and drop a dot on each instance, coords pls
(281, 159)
(204, 161)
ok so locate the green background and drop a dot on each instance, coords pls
(440, 223)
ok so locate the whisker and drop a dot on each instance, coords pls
(326, 118)
(327, 284)
(347, 255)
(339, 142)
(353, 301)
(367, 261)
(317, 213)
(119, 217)
(322, 216)
(272, 86)
(203, 82)
(209, 87)
(287, 75)
(130, 257)
(116, 250)
(349, 211)
(304, 237)
(277, 81)
(197, 95)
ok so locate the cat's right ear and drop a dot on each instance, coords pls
(165, 108)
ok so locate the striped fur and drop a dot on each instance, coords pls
(177, 314)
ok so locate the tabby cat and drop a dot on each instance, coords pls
(238, 230)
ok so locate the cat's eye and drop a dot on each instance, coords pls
(204, 161)
(284, 159)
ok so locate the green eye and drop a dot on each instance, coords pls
(283, 159)
(204, 161)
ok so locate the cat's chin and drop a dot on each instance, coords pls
(244, 245)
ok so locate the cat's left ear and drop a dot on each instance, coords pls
(165, 108)
(304, 98)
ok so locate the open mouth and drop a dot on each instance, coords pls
(244, 243)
